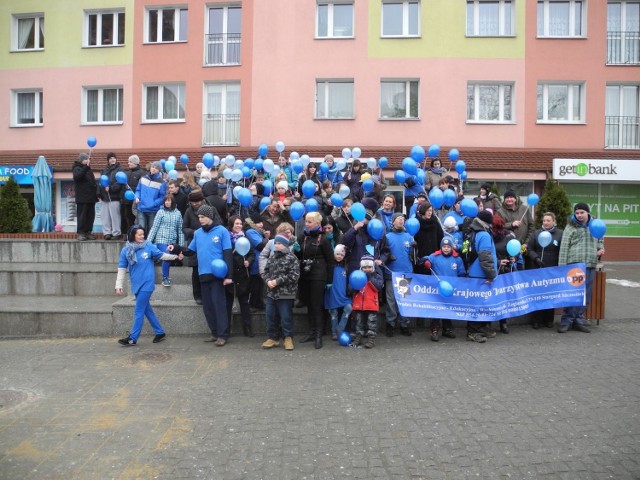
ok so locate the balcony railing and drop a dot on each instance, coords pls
(622, 132)
(623, 48)
(221, 129)
(222, 49)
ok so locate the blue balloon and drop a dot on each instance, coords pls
(344, 191)
(309, 188)
(249, 162)
(383, 162)
(268, 187)
(400, 176)
(297, 166)
(434, 150)
(412, 225)
(172, 174)
(246, 172)
(544, 239)
(436, 197)
(460, 166)
(344, 339)
(445, 288)
(513, 247)
(463, 175)
(409, 166)
(207, 160)
(469, 207)
(324, 168)
(375, 228)
(168, 166)
(454, 154)
(449, 197)
(104, 181)
(264, 203)
(245, 197)
(533, 199)
(258, 164)
(219, 268)
(163, 162)
(358, 211)
(92, 141)
(121, 178)
(129, 195)
(296, 210)
(243, 246)
(263, 150)
(184, 158)
(367, 185)
(311, 205)
(357, 279)
(421, 177)
(336, 200)
(417, 153)
(597, 228)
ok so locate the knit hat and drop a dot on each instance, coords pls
(340, 249)
(259, 189)
(486, 217)
(282, 184)
(485, 186)
(367, 261)
(135, 159)
(111, 155)
(370, 204)
(255, 217)
(446, 241)
(510, 193)
(206, 210)
(157, 166)
(581, 206)
(396, 215)
(281, 239)
(421, 195)
(196, 196)
(82, 157)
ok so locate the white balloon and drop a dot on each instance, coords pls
(229, 160)
(280, 146)
(294, 156)
(356, 152)
(226, 173)
(238, 164)
(236, 175)
(276, 170)
(267, 165)
(172, 159)
(371, 163)
(344, 191)
(236, 190)
(216, 160)
(341, 164)
(305, 160)
(346, 153)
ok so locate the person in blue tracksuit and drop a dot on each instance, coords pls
(150, 194)
(138, 256)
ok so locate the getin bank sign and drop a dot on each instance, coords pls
(592, 170)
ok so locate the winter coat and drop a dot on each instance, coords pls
(283, 267)
(316, 255)
(190, 224)
(336, 296)
(401, 252)
(357, 241)
(84, 183)
(210, 243)
(578, 245)
(500, 240)
(167, 228)
(486, 265)
(151, 191)
(115, 189)
(240, 272)
(446, 265)
(133, 179)
(366, 299)
(271, 222)
(510, 215)
(549, 255)
(429, 236)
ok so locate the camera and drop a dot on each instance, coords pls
(306, 265)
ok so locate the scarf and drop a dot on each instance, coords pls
(437, 171)
(132, 248)
(235, 236)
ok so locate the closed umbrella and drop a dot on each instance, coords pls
(43, 220)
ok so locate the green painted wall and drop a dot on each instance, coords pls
(63, 35)
(443, 28)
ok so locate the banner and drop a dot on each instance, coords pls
(509, 295)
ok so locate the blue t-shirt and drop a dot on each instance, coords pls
(400, 247)
(142, 273)
(209, 247)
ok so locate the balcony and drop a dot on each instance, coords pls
(623, 48)
(221, 129)
(222, 49)
(622, 132)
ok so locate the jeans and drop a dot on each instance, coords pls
(284, 308)
(141, 310)
(575, 315)
(338, 321)
(392, 308)
(145, 220)
(165, 265)
(214, 305)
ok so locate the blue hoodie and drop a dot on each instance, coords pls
(336, 295)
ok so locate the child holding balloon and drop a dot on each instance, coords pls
(367, 282)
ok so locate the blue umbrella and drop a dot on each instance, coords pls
(43, 220)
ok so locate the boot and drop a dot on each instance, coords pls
(308, 337)
(370, 342)
(435, 334)
(504, 328)
(389, 330)
(318, 341)
(248, 331)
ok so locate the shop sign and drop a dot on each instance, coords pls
(592, 170)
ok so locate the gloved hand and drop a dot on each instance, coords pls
(328, 286)
(427, 264)
(539, 263)
(296, 246)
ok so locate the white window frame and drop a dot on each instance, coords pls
(405, 19)
(572, 102)
(38, 100)
(627, 128)
(325, 85)
(572, 17)
(502, 18)
(117, 13)
(161, 91)
(38, 25)
(225, 124)
(225, 42)
(177, 33)
(331, 27)
(502, 109)
(407, 91)
(100, 105)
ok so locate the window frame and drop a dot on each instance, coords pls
(161, 86)
(501, 102)
(38, 27)
(331, 19)
(226, 41)
(100, 104)
(226, 88)
(570, 102)
(407, 85)
(623, 119)
(326, 84)
(501, 19)
(177, 9)
(405, 18)
(117, 13)
(38, 94)
(545, 20)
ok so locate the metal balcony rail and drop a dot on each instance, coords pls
(222, 49)
(623, 48)
(221, 129)
(622, 132)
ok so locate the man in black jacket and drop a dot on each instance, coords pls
(86, 189)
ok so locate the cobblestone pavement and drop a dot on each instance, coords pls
(532, 404)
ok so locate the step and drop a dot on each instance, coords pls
(59, 251)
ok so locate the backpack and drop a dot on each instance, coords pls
(468, 252)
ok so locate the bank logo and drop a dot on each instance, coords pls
(583, 169)
(402, 286)
(576, 277)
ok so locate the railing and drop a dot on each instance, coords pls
(623, 48)
(622, 132)
(222, 49)
(221, 129)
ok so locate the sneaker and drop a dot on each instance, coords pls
(166, 282)
(535, 325)
(160, 337)
(288, 343)
(198, 301)
(581, 328)
(357, 340)
(448, 333)
(82, 237)
(270, 343)
(107, 237)
(435, 335)
(90, 237)
(221, 342)
(504, 328)
(370, 342)
(211, 339)
(549, 324)
(563, 328)
(405, 331)
(334, 337)
(476, 337)
(488, 332)
(127, 342)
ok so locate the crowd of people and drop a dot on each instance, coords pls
(261, 257)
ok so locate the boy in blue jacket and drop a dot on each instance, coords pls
(150, 194)
(336, 300)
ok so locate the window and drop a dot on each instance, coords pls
(561, 18)
(334, 99)
(623, 33)
(223, 39)
(221, 123)
(164, 103)
(102, 105)
(400, 18)
(561, 102)
(104, 29)
(490, 102)
(399, 99)
(490, 18)
(622, 116)
(334, 19)
(27, 108)
(28, 32)
(166, 25)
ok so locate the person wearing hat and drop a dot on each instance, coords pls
(150, 195)
(333, 174)
(359, 242)
(579, 246)
(421, 198)
(444, 263)
(401, 254)
(258, 236)
(190, 224)
(110, 199)
(516, 216)
(488, 198)
(456, 213)
(353, 179)
(128, 210)
(85, 186)
(366, 303)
